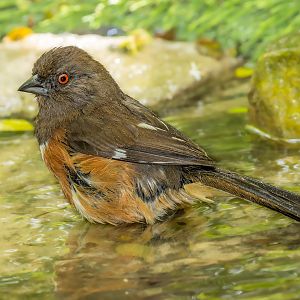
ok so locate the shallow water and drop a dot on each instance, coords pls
(225, 250)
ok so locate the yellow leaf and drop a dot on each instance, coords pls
(19, 33)
(15, 125)
(243, 72)
(136, 40)
(238, 110)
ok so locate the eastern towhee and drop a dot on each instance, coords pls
(116, 161)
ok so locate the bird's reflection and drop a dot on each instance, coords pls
(185, 253)
(109, 262)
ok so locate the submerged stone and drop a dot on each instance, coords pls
(275, 95)
(162, 74)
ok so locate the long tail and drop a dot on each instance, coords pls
(282, 201)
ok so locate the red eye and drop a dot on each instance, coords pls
(63, 78)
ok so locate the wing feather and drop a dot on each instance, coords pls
(131, 132)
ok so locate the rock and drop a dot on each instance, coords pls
(162, 75)
(275, 95)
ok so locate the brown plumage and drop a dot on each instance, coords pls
(116, 161)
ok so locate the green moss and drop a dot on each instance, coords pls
(275, 97)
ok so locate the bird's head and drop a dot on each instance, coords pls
(68, 75)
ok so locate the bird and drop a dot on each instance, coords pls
(117, 162)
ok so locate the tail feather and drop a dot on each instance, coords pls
(265, 194)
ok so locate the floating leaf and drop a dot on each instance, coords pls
(15, 125)
(243, 72)
(238, 110)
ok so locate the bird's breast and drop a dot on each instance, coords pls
(56, 157)
(112, 191)
(102, 190)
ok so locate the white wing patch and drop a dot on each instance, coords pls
(162, 122)
(148, 126)
(119, 153)
(177, 139)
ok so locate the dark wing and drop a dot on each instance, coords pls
(130, 132)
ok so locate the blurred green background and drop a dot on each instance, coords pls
(247, 26)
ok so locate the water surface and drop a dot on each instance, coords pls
(223, 250)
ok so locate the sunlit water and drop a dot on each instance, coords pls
(231, 249)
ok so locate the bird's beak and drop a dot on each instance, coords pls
(34, 86)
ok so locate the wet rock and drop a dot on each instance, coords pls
(275, 96)
(162, 75)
